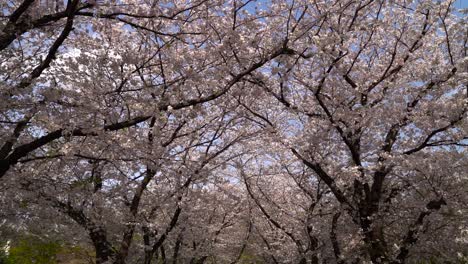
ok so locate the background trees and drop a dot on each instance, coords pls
(236, 131)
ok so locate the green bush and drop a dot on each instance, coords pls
(31, 251)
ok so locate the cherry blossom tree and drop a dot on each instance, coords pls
(230, 131)
(371, 104)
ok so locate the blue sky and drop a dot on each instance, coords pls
(461, 4)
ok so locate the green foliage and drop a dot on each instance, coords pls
(31, 250)
(250, 259)
(435, 260)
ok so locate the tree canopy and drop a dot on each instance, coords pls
(234, 131)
